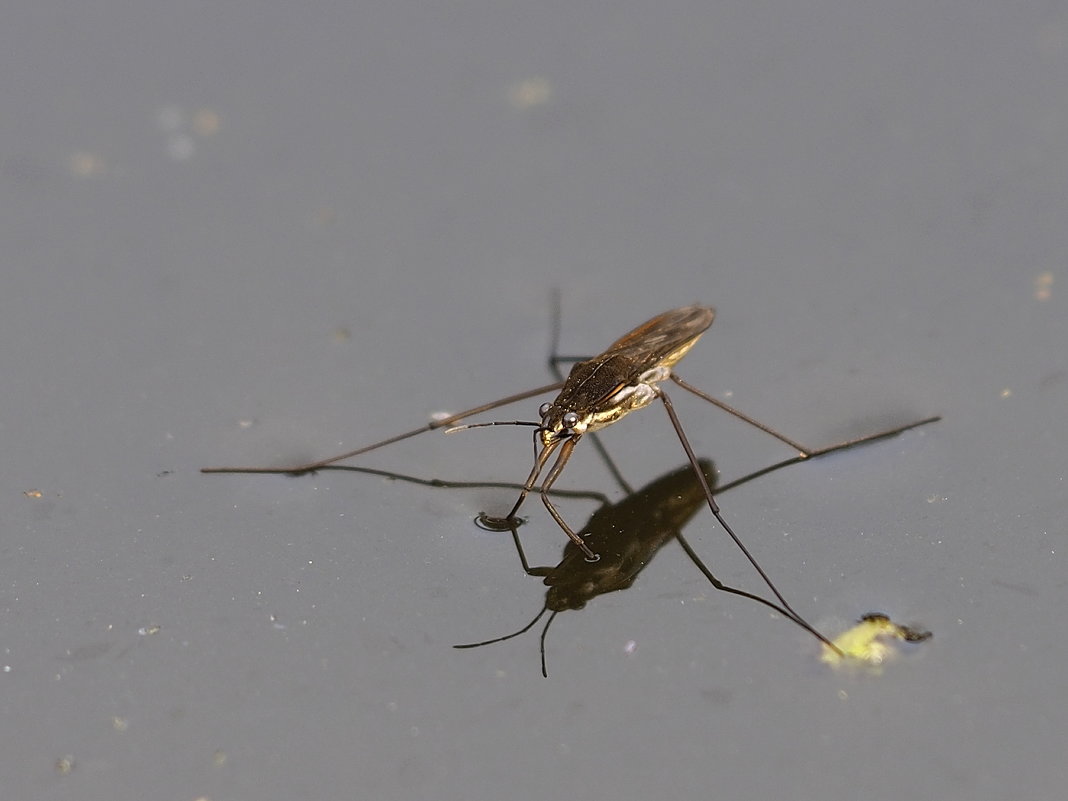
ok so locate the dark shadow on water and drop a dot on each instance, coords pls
(626, 535)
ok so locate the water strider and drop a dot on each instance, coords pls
(598, 392)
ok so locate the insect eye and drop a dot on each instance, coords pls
(544, 409)
(570, 420)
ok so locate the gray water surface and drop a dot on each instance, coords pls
(260, 233)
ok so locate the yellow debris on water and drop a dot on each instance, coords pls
(871, 643)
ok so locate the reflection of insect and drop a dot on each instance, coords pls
(627, 535)
(598, 392)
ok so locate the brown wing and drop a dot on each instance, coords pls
(654, 341)
(661, 341)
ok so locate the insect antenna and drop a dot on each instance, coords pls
(544, 631)
(524, 630)
(465, 427)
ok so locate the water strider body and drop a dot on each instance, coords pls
(603, 390)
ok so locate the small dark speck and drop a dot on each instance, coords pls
(1023, 589)
(1050, 380)
(716, 696)
(86, 652)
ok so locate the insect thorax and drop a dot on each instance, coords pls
(593, 413)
